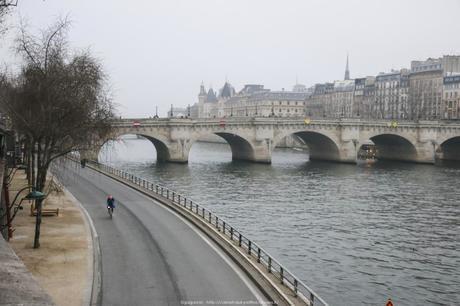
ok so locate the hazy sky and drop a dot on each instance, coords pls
(158, 52)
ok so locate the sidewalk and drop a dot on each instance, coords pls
(62, 265)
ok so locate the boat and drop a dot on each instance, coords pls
(367, 154)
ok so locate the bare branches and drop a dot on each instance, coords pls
(58, 101)
(5, 6)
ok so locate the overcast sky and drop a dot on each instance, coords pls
(156, 53)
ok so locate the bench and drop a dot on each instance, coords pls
(48, 212)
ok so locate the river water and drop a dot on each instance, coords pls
(357, 235)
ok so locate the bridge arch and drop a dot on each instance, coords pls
(394, 147)
(450, 149)
(161, 145)
(320, 145)
(242, 148)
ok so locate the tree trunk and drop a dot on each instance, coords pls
(40, 182)
(38, 221)
(38, 203)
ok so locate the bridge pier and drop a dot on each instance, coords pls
(262, 152)
(178, 151)
(348, 152)
(426, 152)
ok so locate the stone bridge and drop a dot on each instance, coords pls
(253, 139)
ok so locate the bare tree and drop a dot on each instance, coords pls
(58, 102)
(5, 7)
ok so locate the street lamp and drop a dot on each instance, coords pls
(33, 195)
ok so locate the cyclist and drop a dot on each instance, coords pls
(110, 203)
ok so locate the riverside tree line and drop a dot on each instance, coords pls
(57, 102)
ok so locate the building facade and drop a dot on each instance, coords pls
(252, 101)
(426, 86)
(391, 95)
(415, 94)
(451, 97)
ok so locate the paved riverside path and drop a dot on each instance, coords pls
(150, 256)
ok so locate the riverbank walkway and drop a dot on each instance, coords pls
(60, 271)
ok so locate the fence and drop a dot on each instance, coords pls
(272, 266)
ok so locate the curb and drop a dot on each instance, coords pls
(94, 294)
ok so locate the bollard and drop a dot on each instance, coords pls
(191, 205)
(239, 240)
(173, 195)
(217, 223)
(223, 227)
(156, 189)
(203, 212)
(196, 209)
(249, 247)
(281, 275)
(210, 217)
(231, 233)
(295, 287)
(178, 198)
(258, 255)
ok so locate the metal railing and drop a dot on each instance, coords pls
(272, 266)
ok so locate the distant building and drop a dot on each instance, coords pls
(391, 95)
(178, 112)
(368, 99)
(299, 88)
(426, 91)
(358, 97)
(426, 85)
(451, 97)
(253, 100)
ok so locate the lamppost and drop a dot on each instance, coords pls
(34, 195)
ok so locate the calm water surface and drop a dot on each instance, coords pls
(356, 234)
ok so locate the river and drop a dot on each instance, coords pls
(357, 235)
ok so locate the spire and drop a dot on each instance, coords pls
(347, 71)
(202, 89)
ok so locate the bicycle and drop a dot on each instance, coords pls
(110, 210)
